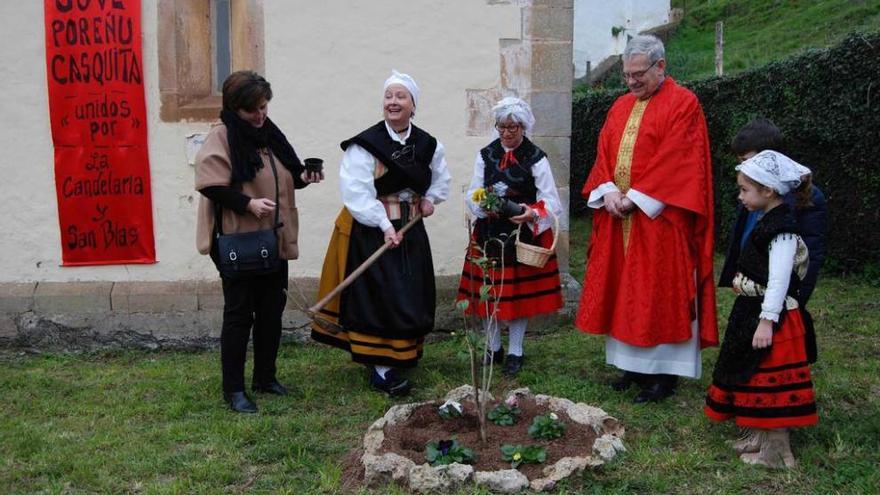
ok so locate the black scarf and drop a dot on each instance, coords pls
(244, 141)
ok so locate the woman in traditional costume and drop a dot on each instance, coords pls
(762, 376)
(247, 171)
(390, 173)
(515, 170)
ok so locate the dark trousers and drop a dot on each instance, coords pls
(258, 304)
(645, 380)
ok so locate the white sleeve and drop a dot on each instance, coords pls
(782, 251)
(597, 196)
(546, 191)
(440, 177)
(476, 183)
(647, 204)
(358, 190)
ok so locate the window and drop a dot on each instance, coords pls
(200, 43)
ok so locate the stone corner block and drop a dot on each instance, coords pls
(154, 297)
(548, 22)
(17, 297)
(72, 297)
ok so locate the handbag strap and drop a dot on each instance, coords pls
(218, 217)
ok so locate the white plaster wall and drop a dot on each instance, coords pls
(593, 20)
(326, 61)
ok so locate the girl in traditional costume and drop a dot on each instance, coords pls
(762, 377)
(513, 168)
(390, 172)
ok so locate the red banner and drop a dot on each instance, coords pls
(94, 68)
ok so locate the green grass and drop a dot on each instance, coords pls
(134, 422)
(760, 31)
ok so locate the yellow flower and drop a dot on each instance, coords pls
(479, 195)
(517, 456)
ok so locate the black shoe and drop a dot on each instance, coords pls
(497, 357)
(272, 387)
(512, 365)
(240, 402)
(654, 393)
(392, 384)
(626, 380)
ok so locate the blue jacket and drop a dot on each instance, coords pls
(812, 224)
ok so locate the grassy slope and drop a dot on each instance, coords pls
(153, 423)
(759, 31)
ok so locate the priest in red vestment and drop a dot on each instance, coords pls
(648, 284)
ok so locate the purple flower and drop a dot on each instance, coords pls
(444, 446)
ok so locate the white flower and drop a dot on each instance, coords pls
(553, 416)
(511, 401)
(500, 188)
(451, 404)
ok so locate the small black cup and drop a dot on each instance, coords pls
(314, 165)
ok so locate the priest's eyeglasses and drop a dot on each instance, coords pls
(511, 128)
(638, 75)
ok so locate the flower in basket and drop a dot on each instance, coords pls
(547, 427)
(517, 454)
(447, 452)
(450, 409)
(503, 414)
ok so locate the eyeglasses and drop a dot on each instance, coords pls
(512, 128)
(639, 74)
(408, 153)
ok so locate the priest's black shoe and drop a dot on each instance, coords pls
(654, 393)
(627, 379)
(497, 357)
(392, 384)
(240, 402)
(272, 387)
(512, 364)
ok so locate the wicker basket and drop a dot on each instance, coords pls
(536, 256)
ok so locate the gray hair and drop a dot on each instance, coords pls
(645, 44)
(516, 110)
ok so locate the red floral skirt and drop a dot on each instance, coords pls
(780, 394)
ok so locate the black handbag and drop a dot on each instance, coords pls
(249, 254)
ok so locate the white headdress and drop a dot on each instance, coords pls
(407, 82)
(517, 109)
(774, 170)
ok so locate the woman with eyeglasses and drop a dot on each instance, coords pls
(515, 170)
(390, 173)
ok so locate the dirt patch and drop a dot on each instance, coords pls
(409, 438)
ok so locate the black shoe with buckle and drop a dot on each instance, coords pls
(496, 357)
(392, 384)
(240, 402)
(272, 387)
(512, 364)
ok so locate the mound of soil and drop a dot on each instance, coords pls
(425, 425)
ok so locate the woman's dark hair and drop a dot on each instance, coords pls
(758, 135)
(245, 90)
(804, 193)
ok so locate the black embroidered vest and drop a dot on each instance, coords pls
(409, 166)
(521, 188)
(754, 261)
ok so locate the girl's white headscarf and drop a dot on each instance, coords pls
(407, 82)
(516, 109)
(774, 170)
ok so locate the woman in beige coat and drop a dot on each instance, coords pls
(238, 168)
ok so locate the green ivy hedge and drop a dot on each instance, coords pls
(827, 103)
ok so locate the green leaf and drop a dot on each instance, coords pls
(463, 305)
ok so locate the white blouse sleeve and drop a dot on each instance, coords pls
(782, 251)
(546, 191)
(440, 177)
(476, 183)
(650, 206)
(597, 196)
(358, 190)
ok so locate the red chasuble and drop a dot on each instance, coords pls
(640, 285)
